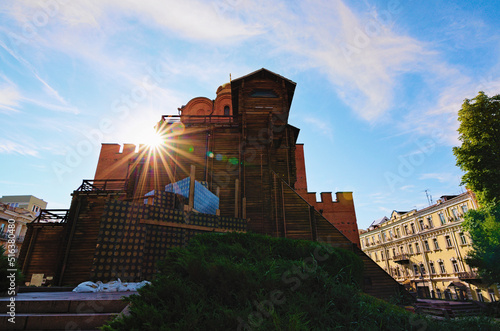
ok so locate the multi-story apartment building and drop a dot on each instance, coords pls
(18, 211)
(18, 218)
(425, 250)
(27, 202)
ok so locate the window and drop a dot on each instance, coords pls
(227, 111)
(455, 266)
(417, 248)
(422, 269)
(384, 236)
(439, 294)
(431, 266)
(415, 270)
(401, 250)
(464, 209)
(441, 218)
(390, 234)
(463, 240)
(441, 266)
(379, 240)
(376, 256)
(421, 224)
(479, 295)
(491, 292)
(373, 240)
(367, 243)
(263, 93)
(412, 228)
(455, 212)
(448, 241)
(429, 220)
(406, 229)
(426, 245)
(398, 233)
(393, 252)
(382, 255)
(436, 245)
(410, 249)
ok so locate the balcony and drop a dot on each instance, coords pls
(468, 276)
(402, 258)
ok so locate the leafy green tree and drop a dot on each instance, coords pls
(484, 227)
(479, 155)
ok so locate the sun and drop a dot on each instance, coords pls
(154, 140)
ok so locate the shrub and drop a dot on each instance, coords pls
(254, 282)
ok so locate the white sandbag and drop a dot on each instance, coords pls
(141, 284)
(125, 287)
(112, 286)
(87, 286)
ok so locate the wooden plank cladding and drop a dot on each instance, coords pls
(301, 221)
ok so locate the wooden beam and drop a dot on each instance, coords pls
(185, 226)
(192, 177)
(236, 197)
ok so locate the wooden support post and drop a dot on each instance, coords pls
(312, 223)
(217, 193)
(191, 187)
(27, 257)
(236, 197)
(244, 208)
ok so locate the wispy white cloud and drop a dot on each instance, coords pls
(46, 86)
(12, 147)
(9, 98)
(407, 188)
(362, 55)
(210, 21)
(441, 177)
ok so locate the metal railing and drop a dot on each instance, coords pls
(102, 185)
(401, 257)
(204, 119)
(52, 216)
(468, 275)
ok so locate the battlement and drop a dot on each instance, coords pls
(114, 160)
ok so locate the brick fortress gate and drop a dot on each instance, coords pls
(241, 147)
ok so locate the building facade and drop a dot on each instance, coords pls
(425, 250)
(28, 202)
(17, 217)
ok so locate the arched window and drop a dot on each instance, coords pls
(226, 111)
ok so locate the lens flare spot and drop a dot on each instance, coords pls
(191, 149)
(218, 157)
(210, 154)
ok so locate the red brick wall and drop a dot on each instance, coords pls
(112, 164)
(340, 213)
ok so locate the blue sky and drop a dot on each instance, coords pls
(379, 85)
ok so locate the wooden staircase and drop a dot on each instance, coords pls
(61, 310)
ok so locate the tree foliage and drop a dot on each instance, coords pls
(479, 157)
(484, 227)
(479, 154)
